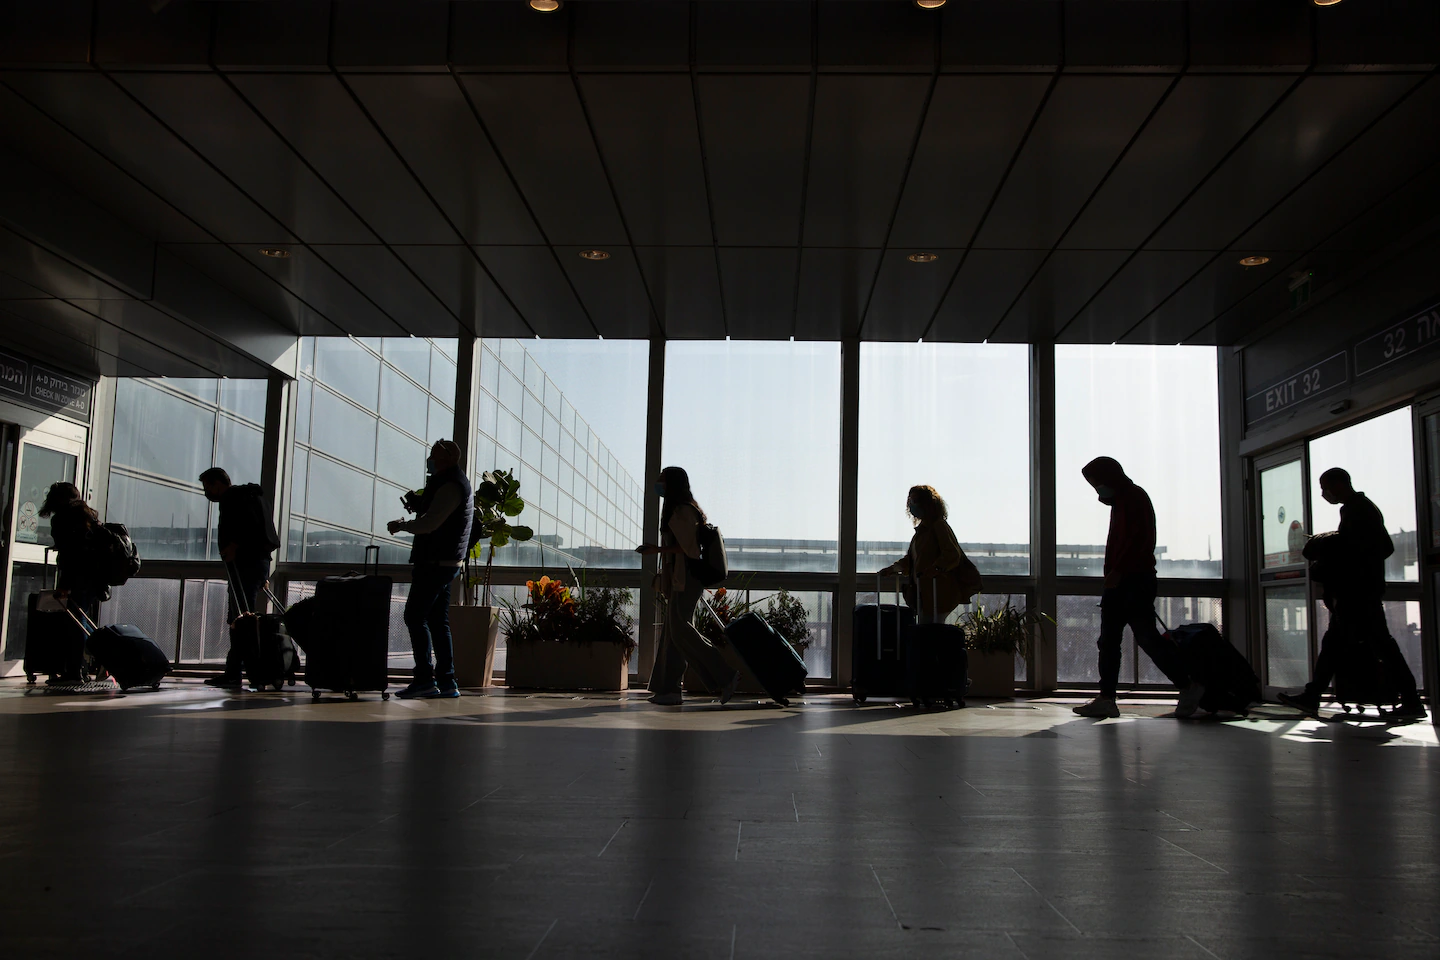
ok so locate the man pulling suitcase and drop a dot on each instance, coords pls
(246, 538)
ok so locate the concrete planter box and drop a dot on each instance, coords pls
(561, 665)
(476, 630)
(992, 675)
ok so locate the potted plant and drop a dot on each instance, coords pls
(561, 639)
(476, 627)
(994, 639)
(785, 613)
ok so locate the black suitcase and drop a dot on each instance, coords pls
(127, 654)
(1361, 678)
(773, 661)
(877, 648)
(265, 647)
(938, 665)
(350, 650)
(54, 642)
(1229, 680)
(300, 621)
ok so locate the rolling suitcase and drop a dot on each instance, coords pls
(773, 661)
(877, 651)
(937, 663)
(301, 622)
(1230, 682)
(53, 640)
(265, 647)
(349, 651)
(126, 653)
(1361, 677)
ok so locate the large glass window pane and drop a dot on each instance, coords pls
(1287, 636)
(244, 398)
(442, 380)
(339, 495)
(303, 389)
(403, 403)
(955, 416)
(410, 355)
(1282, 503)
(39, 468)
(1379, 455)
(1154, 409)
(399, 458)
(166, 523)
(344, 431)
(161, 433)
(352, 370)
(239, 448)
(606, 381)
(442, 422)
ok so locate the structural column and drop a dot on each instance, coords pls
(465, 377)
(1234, 508)
(275, 451)
(1043, 675)
(649, 566)
(849, 508)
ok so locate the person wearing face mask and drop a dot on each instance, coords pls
(444, 511)
(1354, 589)
(682, 644)
(1130, 591)
(941, 576)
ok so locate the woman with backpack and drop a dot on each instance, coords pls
(941, 576)
(80, 573)
(682, 644)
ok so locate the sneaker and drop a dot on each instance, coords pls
(225, 682)
(729, 690)
(1100, 708)
(1406, 712)
(448, 692)
(1189, 700)
(667, 699)
(1304, 702)
(420, 691)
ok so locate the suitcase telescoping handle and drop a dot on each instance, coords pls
(880, 614)
(365, 566)
(232, 580)
(86, 625)
(45, 570)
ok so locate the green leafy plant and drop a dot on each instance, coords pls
(497, 500)
(1006, 630)
(784, 612)
(595, 613)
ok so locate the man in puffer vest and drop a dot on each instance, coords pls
(442, 535)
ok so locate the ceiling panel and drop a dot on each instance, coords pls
(754, 139)
(759, 286)
(752, 34)
(219, 124)
(1140, 286)
(456, 275)
(649, 139)
(98, 111)
(539, 290)
(384, 278)
(906, 294)
(1029, 34)
(1202, 119)
(613, 292)
(1412, 206)
(1304, 131)
(971, 132)
(863, 132)
(507, 35)
(685, 286)
(430, 122)
(242, 275)
(1402, 144)
(320, 119)
(1219, 287)
(307, 275)
(541, 133)
(873, 35)
(1108, 32)
(834, 283)
(633, 33)
(1068, 279)
(13, 288)
(178, 337)
(61, 333)
(56, 276)
(988, 283)
(1085, 125)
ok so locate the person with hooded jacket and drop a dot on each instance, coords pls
(245, 535)
(80, 580)
(1130, 591)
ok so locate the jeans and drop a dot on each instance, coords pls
(1358, 616)
(683, 645)
(249, 575)
(1132, 604)
(427, 615)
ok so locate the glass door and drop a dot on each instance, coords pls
(1283, 517)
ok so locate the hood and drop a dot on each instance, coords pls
(1106, 471)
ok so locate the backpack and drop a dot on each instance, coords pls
(116, 555)
(712, 567)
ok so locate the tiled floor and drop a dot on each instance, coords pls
(191, 824)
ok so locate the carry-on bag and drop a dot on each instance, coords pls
(1361, 677)
(53, 640)
(1230, 682)
(265, 647)
(349, 651)
(301, 621)
(937, 664)
(877, 649)
(773, 661)
(125, 652)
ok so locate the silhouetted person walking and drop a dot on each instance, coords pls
(444, 512)
(941, 576)
(682, 644)
(1354, 582)
(1130, 591)
(80, 580)
(246, 536)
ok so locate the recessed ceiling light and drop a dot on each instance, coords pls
(594, 255)
(1326, 3)
(929, 4)
(545, 6)
(279, 253)
(924, 257)
(1255, 261)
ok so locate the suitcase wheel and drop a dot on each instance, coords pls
(279, 684)
(782, 701)
(385, 695)
(1345, 707)
(351, 694)
(314, 694)
(30, 679)
(859, 695)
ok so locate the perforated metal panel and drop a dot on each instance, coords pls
(151, 605)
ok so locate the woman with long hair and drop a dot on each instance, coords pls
(79, 582)
(682, 644)
(941, 576)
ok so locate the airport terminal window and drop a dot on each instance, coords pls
(166, 432)
(955, 416)
(569, 417)
(1379, 455)
(1156, 410)
(757, 426)
(367, 409)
